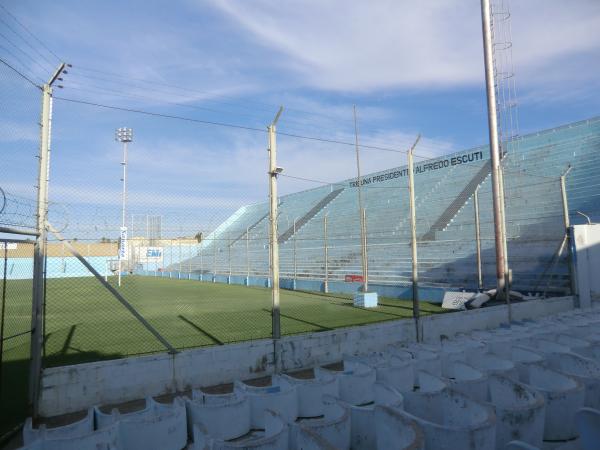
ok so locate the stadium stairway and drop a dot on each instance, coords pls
(454, 207)
(286, 235)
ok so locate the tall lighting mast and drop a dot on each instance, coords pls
(502, 278)
(124, 135)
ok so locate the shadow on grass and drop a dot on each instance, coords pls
(197, 328)
(314, 324)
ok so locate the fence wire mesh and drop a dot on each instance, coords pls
(174, 252)
(16, 285)
(19, 137)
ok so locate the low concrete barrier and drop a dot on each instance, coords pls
(75, 388)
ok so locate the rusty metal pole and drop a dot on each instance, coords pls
(498, 203)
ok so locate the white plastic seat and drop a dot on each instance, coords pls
(275, 437)
(588, 424)
(280, 397)
(80, 428)
(310, 392)
(520, 411)
(223, 416)
(158, 426)
(450, 419)
(334, 427)
(107, 439)
(585, 370)
(355, 382)
(395, 431)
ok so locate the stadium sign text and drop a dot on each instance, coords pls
(422, 168)
(123, 243)
(149, 254)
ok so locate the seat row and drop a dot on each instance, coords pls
(531, 385)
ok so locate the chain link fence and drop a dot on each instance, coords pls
(167, 241)
(19, 137)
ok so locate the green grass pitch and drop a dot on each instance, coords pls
(84, 322)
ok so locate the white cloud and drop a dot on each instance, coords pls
(361, 46)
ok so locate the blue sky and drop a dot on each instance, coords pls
(409, 66)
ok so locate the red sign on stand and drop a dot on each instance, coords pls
(354, 279)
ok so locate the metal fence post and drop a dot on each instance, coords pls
(413, 242)
(567, 222)
(325, 250)
(365, 250)
(295, 260)
(214, 260)
(478, 238)
(229, 257)
(361, 211)
(247, 256)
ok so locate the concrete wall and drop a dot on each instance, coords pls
(586, 242)
(73, 388)
(426, 293)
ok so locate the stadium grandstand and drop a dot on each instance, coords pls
(445, 188)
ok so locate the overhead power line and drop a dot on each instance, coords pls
(40, 54)
(25, 77)
(39, 41)
(225, 124)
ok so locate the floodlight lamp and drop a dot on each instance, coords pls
(124, 134)
(278, 170)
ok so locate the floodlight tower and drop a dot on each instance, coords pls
(124, 135)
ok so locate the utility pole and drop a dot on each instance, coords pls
(361, 211)
(497, 194)
(124, 135)
(274, 171)
(39, 249)
(413, 240)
